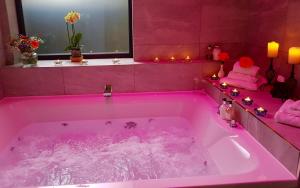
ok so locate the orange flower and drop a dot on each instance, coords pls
(246, 62)
(223, 56)
(35, 44)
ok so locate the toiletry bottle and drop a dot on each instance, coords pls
(229, 112)
(222, 108)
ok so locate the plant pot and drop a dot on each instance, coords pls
(29, 59)
(76, 56)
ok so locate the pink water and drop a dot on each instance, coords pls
(96, 151)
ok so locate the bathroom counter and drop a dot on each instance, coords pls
(281, 140)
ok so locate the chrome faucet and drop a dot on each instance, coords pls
(107, 90)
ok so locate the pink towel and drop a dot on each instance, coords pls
(244, 84)
(282, 116)
(296, 105)
(244, 77)
(252, 71)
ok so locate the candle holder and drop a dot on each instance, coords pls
(235, 93)
(291, 82)
(224, 85)
(58, 62)
(270, 73)
(188, 59)
(247, 101)
(260, 112)
(214, 77)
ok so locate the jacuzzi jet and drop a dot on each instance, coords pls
(108, 123)
(12, 148)
(205, 163)
(19, 139)
(150, 120)
(64, 124)
(130, 125)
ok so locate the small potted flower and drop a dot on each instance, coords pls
(223, 57)
(74, 37)
(27, 46)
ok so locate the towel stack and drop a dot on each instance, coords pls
(289, 113)
(246, 78)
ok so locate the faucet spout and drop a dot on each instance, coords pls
(107, 90)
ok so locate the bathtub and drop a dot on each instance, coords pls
(129, 140)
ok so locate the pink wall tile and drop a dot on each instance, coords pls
(91, 80)
(166, 77)
(175, 22)
(32, 81)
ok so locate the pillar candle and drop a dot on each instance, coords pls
(273, 48)
(294, 55)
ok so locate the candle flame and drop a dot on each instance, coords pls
(247, 99)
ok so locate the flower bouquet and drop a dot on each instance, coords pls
(27, 46)
(73, 38)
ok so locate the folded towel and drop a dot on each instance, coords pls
(287, 108)
(296, 105)
(244, 84)
(252, 71)
(282, 116)
(244, 77)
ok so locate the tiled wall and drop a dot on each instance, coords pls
(180, 28)
(91, 79)
(280, 22)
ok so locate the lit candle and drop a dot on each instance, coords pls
(156, 59)
(58, 62)
(260, 111)
(273, 48)
(172, 58)
(235, 93)
(247, 101)
(188, 59)
(214, 77)
(294, 55)
(224, 85)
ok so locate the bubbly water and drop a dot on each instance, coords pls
(87, 152)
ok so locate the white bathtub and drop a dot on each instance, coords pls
(237, 158)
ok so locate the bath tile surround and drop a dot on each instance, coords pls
(92, 79)
(280, 140)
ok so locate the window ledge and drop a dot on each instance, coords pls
(98, 62)
(89, 62)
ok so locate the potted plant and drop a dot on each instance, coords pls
(74, 37)
(27, 46)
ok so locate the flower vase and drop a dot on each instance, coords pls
(221, 72)
(29, 59)
(76, 56)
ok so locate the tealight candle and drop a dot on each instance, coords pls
(247, 101)
(188, 59)
(214, 77)
(260, 111)
(172, 59)
(235, 93)
(156, 59)
(58, 62)
(224, 85)
(116, 60)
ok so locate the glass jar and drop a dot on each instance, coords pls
(29, 58)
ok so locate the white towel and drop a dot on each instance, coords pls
(252, 71)
(282, 116)
(244, 77)
(296, 105)
(244, 84)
